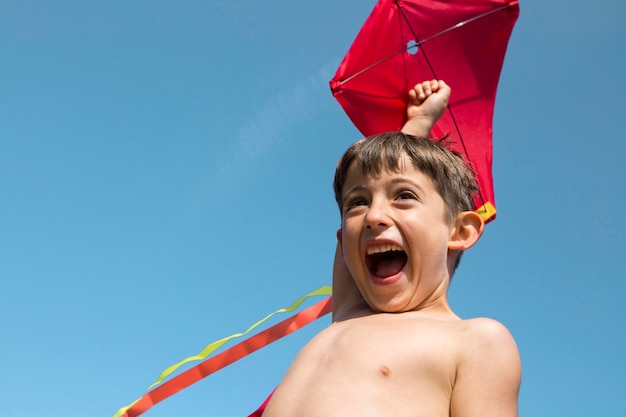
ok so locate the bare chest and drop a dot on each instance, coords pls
(405, 352)
(374, 367)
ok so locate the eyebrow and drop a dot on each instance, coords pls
(395, 181)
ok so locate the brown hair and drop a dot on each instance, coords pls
(453, 178)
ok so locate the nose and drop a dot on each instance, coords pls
(377, 215)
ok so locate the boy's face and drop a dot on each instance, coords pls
(394, 238)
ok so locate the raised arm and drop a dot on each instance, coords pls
(427, 102)
(346, 295)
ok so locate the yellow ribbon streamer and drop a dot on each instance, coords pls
(212, 347)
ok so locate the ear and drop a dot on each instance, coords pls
(465, 231)
(339, 241)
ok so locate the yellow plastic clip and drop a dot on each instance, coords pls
(486, 211)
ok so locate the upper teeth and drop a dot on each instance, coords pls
(383, 248)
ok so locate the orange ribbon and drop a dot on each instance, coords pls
(225, 358)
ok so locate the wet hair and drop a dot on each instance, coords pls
(453, 178)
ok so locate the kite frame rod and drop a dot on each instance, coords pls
(463, 23)
(419, 43)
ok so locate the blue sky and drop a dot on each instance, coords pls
(165, 171)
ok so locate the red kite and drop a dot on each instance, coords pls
(404, 42)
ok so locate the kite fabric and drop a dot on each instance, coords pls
(404, 42)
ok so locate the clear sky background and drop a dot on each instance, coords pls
(165, 180)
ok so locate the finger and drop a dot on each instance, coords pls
(444, 88)
(419, 92)
(426, 85)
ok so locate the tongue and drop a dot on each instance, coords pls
(389, 264)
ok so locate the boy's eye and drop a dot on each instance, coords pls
(407, 195)
(355, 202)
(358, 202)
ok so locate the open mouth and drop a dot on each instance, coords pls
(385, 261)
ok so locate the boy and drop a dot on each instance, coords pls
(406, 214)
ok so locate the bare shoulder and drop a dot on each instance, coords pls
(488, 371)
(483, 335)
(488, 345)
